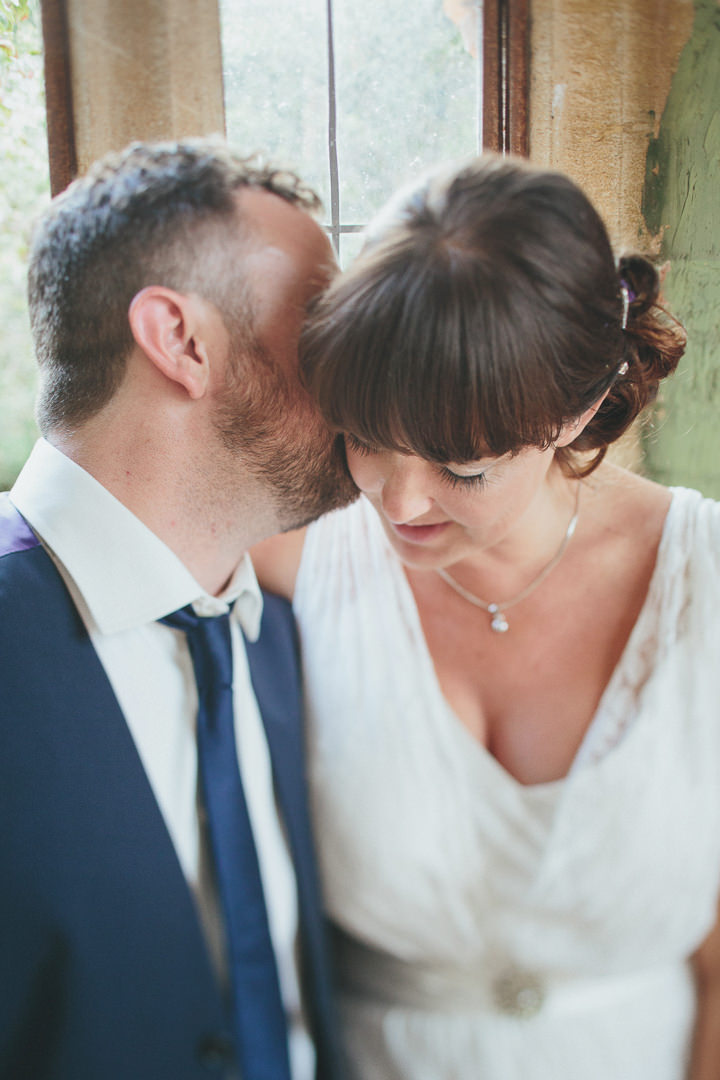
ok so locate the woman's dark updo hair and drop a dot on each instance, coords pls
(654, 342)
(485, 312)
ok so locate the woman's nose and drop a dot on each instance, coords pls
(399, 482)
(404, 494)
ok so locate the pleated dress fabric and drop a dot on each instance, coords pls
(487, 930)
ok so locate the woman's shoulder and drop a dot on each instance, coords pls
(694, 530)
(677, 528)
(280, 560)
(625, 508)
(276, 561)
(644, 507)
(700, 512)
(342, 541)
(669, 540)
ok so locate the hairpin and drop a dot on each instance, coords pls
(627, 298)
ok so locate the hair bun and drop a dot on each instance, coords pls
(643, 280)
(654, 342)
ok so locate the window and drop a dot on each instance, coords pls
(359, 98)
(24, 190)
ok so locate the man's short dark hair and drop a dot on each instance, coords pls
(154, 214)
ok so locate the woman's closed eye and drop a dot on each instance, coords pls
(448, 476)
(455, 480)
(358, 447)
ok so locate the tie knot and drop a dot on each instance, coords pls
(210, 646)
(187, 619)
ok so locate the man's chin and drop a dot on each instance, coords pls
(326, 497)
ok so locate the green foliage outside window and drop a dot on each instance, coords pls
(24, 190)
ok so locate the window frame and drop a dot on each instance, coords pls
(506, 76)
(58, 94)
(505, 83)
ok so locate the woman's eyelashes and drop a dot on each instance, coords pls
(455, 480)
(452, 479)
(358, 447)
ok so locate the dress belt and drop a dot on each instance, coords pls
(383, 979)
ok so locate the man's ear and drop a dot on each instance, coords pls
(574, 428)
(167, 326)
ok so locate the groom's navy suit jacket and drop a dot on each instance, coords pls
(104, 971)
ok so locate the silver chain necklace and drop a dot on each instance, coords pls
(496, 610)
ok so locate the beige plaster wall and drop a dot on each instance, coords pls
(600, 77)
(143, 69)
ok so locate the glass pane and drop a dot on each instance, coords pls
(24, 191)
(406, 91)
(275, 76)
(406, 97)
(350, 244)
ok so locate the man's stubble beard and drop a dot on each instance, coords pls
(269, 422)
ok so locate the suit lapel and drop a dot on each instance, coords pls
(70, 714)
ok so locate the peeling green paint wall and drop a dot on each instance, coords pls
(681, 203)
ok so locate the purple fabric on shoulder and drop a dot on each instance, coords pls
(15, 533)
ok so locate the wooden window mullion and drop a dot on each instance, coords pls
(58, 95)
(505, 75)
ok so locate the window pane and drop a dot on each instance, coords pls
(406, 91)
(406, 97)
(350, 244)
(24, 190)
(275, 76)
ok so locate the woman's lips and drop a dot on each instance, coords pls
(418, 534)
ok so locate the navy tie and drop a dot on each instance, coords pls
(259, 1015)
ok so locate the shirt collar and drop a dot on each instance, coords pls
(126, 575)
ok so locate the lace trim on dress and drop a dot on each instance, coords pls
(660, 623)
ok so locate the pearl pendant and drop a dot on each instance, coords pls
(498, 623)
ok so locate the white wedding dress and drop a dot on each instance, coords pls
(492, 931)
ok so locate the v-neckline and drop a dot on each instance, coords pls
(637, 636)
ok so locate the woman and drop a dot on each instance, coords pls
(511, 653)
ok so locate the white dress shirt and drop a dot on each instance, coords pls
(123, 578)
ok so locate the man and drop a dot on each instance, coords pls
(167, 292)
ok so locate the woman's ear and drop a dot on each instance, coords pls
(168, 328)
(574, 428)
